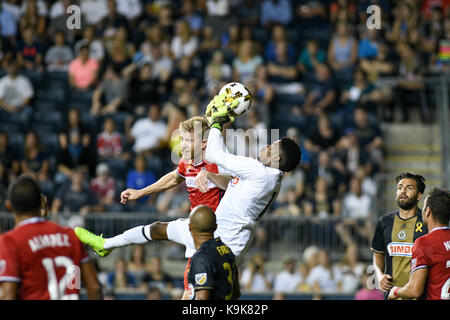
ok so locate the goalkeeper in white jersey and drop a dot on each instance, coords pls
(254, 187)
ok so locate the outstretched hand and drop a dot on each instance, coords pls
(218, 111)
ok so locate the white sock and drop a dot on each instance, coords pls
(137, 235)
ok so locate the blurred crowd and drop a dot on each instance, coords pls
(94, 110)
(312, 273)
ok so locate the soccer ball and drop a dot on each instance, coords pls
(236, 90)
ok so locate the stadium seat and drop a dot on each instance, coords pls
(16, 140)
(50, 141)
(11, 127)
(53, 94)
(53, 119)
(46, 106)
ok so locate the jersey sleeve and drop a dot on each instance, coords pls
(202, 272)
(181, 169)
(378, 244)
(216, 152)
(9, 265)
(421, 257)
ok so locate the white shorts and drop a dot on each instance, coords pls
(178, 231)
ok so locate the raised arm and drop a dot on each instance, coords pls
(217, 153)
(168, 181)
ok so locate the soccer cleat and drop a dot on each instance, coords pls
(92, 240)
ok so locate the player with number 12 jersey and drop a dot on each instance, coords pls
(44, 258)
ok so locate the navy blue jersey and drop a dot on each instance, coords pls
(213, 267)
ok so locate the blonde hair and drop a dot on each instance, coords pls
(190, 124)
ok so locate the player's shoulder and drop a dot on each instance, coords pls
(388, 217)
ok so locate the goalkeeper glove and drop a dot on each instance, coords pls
(217, 111)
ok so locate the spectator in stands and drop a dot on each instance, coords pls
(321, 203)
(343, 52)
(16, 92)
(184, 43)
(368, 45)
(190, 15)
(350, 270)
(119, 41)
(30, 52)
(58, 23)
(142, 88)
(217, 71)
(264, 91)
(342, 10)
(140, 177)
(34, 159)
(219, 16)
(173, 202)
(147, 133)
(293, 180)
(154, 37)
(383, 64)
(75, 196)
(74, 122)
(32, 19)
(411, 88)
(9, 159)
(312, 14)
(153, 293)
(310, 257)
(255, 278)
(326, 169)
(94, 11)
(368, 290)
(120, 278)
(8, 24)
(283, 73)
(156, 276)
(83, 71)
(110, 94)
(404, 27)
(288, 280)
(288, 206)
(132, 10)
(349, 155)
(356, 213)
(73, 153)
(58, 56)
(276, 11)
(184, 77)
(103, 186)
(109, 141)
(324, 138)
(278, 35)
(309, 58)
(359, 92)
(248, 13)
(244, 65)
(96, 49)
(136, 264)
(320, 98)
(208, 43)
(369, 136)
(322, 278)
(119, 52)
(112, 20)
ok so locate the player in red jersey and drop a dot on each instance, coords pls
(430, 263)
(40, 260)
(193, 146)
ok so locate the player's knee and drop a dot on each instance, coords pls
(158, 230)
